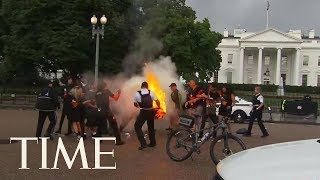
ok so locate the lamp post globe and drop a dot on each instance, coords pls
(94, 20)
(103, 20)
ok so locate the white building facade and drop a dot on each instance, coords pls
(270, 57)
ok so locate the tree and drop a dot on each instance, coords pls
(191, 44)
(45, 35)
(49, 35)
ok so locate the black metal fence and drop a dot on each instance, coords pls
(271, 99)
(274, 101)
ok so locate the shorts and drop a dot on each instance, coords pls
(76, 115)
(197, 113)
(91, 122)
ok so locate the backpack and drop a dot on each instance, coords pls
(146, 100)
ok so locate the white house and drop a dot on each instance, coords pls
(266, 56)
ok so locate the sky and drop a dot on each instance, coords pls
(251, 14)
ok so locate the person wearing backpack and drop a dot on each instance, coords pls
(47, 103)
(144, 100)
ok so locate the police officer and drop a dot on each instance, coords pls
(144, 100)
(47, 104)
(257, 109)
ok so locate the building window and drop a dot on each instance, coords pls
(250, 60)
(284, 78)
(267, 60)
(229, 77)
(284, 61)
(305, 60)
(304, 80)
(318, 81)
(230, 58)
(319, 61)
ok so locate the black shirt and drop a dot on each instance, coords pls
(102, 99)
(193, 94)
(214, 95)
(227, 97)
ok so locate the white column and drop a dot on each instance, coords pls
(278, 68)
(297, 67)
(260, 66)
(241, 65)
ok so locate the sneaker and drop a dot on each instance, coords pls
(142, 147)
(78, 137)
(247, 135)
(265, 135)
(84, 137)
(151, 145)
(49, 136)
(67, 134)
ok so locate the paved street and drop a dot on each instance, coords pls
(152, 163)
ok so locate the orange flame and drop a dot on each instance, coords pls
(155, 87)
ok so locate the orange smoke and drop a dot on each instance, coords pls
(155, 87)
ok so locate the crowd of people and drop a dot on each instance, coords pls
(86, 106)
(201, 104)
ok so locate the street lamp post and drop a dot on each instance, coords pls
(97, 31)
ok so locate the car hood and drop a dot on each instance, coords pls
(240, 101)
(285, 161)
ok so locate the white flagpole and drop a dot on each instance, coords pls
(268, 6)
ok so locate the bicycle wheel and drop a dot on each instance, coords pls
(179, 144)
(222, 147)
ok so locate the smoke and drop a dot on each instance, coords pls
(146, 47)
(163, 68)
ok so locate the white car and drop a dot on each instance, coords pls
(297, 160)
(241, 110)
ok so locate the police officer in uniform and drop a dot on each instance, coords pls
(47, 104)
(144, 100)
(258, 105)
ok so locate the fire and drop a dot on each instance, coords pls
(155, 87)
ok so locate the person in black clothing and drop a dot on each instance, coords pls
(256, 113)
(76, 113)
(66, 107)
(144, 100)
(211, 99)
(104, 112)
(90, 110)
(47, 104)
(228, 95)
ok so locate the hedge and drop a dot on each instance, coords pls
(234, 87)
(270, 88)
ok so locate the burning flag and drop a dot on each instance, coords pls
(155, 87)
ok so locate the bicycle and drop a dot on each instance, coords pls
(189, 141)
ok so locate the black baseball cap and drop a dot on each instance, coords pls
(173, 84)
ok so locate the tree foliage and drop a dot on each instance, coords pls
(45, 35)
